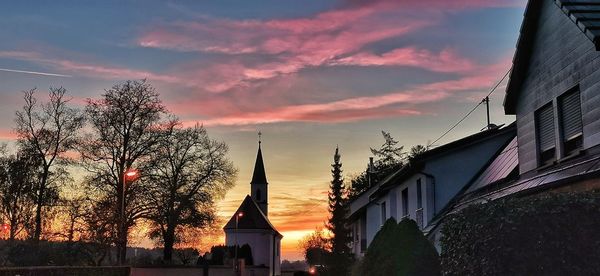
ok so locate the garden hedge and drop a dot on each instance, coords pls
(548, 234)
(399, 249)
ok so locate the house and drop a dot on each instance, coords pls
(424, 187)
(250, 223)
(554, 91)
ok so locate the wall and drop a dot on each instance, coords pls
(456, 169)
(259, 242)
(562, 57)
(442, 178)
(213, 271)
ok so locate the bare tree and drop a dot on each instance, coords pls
(188, 172)
(50, 131)
(18, 177)
(123, 134)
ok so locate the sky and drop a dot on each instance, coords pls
(309, 74)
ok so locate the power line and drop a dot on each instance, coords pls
(471, 111)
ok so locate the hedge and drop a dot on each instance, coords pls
(399, 249)
(548, 234)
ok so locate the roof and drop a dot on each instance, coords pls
(416, 165)
(505, 163)
(567, 174)
(584, 13)
(253, 217)
(259, 176)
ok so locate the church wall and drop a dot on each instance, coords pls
(260, 243)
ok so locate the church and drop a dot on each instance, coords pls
(250, 223)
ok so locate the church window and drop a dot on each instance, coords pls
(258, 196)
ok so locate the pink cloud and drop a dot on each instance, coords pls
(358, 108)
(446, 61)
(8, 134)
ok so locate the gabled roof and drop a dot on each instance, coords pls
(584, 13)
(253, 217)
(415, 166)
(259, 176)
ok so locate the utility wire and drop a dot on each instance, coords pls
(470, 112)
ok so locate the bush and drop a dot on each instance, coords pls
(550, 234)
(399, 249)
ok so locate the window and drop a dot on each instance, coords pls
(405, 202)
(570, 121)
(383, 214)
(544, 119)
(258, 196)
(419, 195)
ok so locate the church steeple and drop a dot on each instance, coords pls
(259, 183)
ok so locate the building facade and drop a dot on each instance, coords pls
(250, 223)
(423, 188)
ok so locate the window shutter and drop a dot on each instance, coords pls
(570, 106)
(545, 123)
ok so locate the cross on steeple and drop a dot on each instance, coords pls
(259, 137)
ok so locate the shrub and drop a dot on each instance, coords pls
(399, 249)
(549, 234)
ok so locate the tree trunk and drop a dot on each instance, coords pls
(38, 208)
(169, 240)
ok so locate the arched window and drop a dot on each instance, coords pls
(258, 196)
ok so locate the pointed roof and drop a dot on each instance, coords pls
(259, 176)
(253, 217)
(585, 14)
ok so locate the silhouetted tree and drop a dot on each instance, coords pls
(123, 134)
(340, 258)
(389, 158)
(416, 151)
(48, 131)
(315, 247)
(18, 178)
(188, 172)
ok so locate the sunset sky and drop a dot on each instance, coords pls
(309, 74)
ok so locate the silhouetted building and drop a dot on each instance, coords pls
(250, 223)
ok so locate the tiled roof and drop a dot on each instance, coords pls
(586, 14)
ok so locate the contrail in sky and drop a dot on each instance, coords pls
(35, 73)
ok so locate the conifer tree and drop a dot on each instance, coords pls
(340, 252)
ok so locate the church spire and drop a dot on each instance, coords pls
(259, 176)
(258, 185)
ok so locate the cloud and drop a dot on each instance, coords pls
(446, 61)
(295, 213)
(362, 108)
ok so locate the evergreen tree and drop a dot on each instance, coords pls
(340, 252)
(389, 158)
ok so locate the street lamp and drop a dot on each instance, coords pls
(236, 263)
(129, 173)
